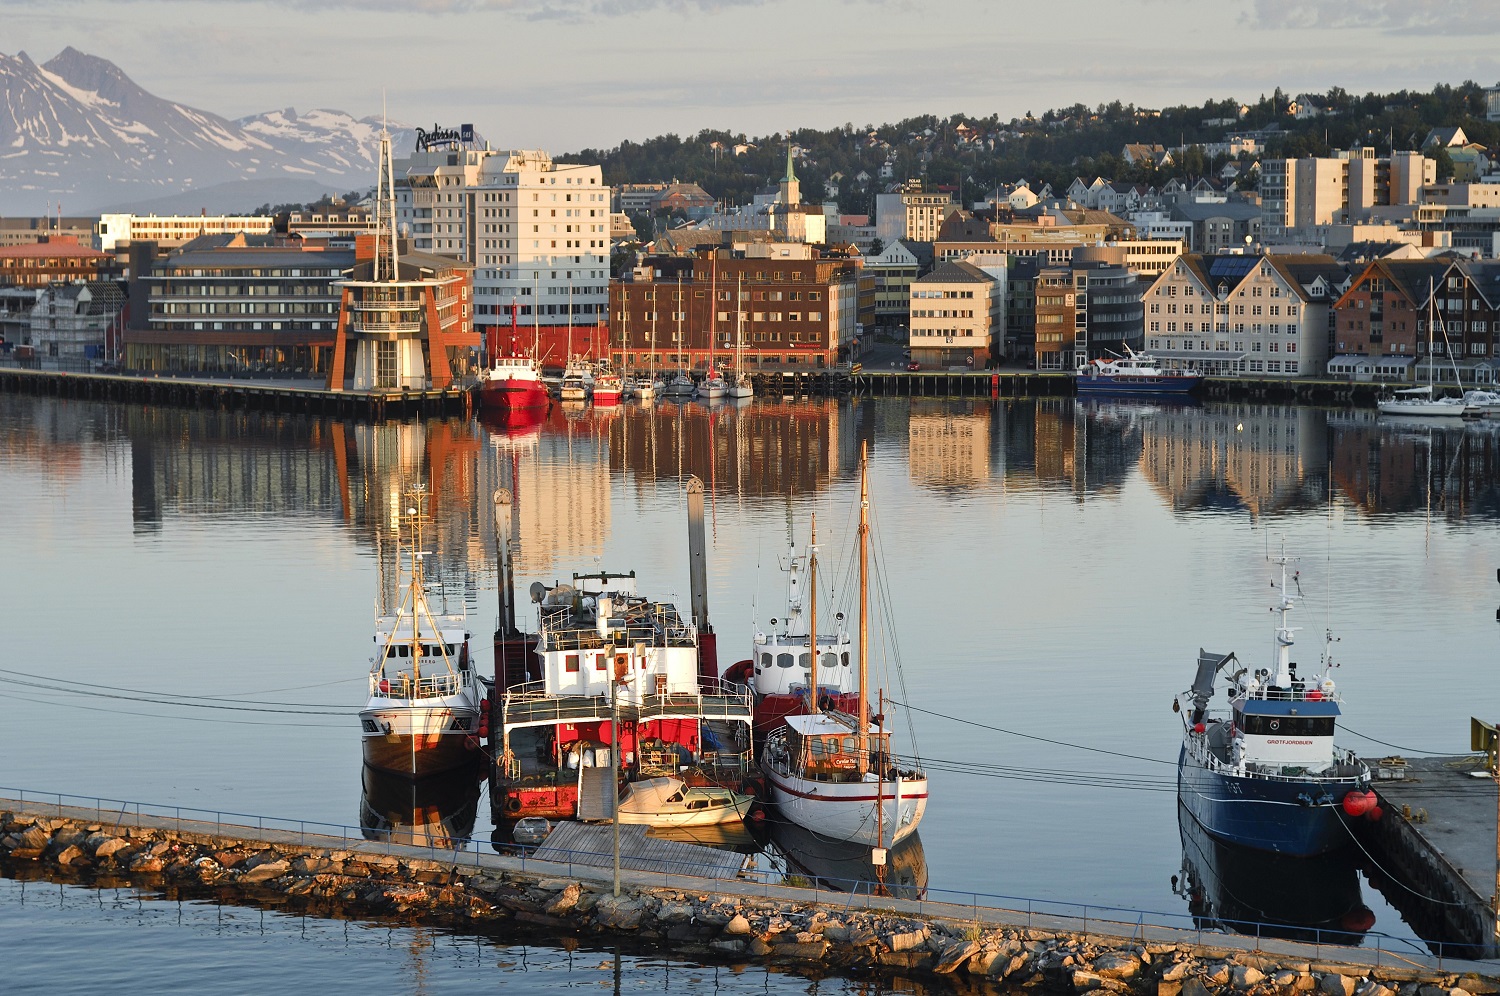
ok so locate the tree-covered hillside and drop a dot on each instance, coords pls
(1053, 147)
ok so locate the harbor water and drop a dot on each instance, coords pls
(189, 598)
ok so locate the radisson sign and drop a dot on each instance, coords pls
(438, 136)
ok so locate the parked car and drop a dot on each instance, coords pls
(913, 365)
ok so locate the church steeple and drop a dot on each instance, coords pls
(791, 190)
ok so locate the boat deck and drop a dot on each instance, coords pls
(592, 847)
(547, 710)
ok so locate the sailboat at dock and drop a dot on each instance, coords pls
(423, 714)
(833, 772)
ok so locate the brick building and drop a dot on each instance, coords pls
(53, 259)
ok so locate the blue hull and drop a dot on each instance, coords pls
(1301, 819)
(1155, 386)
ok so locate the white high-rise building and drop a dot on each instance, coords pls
(536, 232)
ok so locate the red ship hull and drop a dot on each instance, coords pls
(512, 395)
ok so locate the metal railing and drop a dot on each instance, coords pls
(966, 905)
(403, 687)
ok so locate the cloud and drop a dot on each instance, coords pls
(1427, 17)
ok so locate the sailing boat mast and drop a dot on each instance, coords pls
(713, 305)
(812, 619)
(864, 611)
(739, 329)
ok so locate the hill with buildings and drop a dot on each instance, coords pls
(1116, 141)
(79, 132)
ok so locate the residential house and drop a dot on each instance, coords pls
(894, 270)
(1375, 320)
(955, 312)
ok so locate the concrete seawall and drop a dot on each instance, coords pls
(714, 921)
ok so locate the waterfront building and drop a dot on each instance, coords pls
(78, 322)
(955, 311)
(1087, 309)
(170, 231)
(52, 259)
(799, 307)
(238, 304)
(1376, 319)
(404, 321)
(535, 232)
(1266, 316)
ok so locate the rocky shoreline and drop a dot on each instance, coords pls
(362, 881)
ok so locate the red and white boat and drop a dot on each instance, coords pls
(833, 772)
(608, 387)
(512, 383)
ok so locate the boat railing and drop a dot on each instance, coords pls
(1310, 694)
(1198, 746)
(404, 687)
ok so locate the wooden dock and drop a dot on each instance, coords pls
(589, 845)
(1439, 840)
(306, 398)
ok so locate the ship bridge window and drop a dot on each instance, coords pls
(391, 651)
(783, 660)
(805, 660)
(570, 663)
(829, 660)
(1288, 726)
(765, 661)
(845, 656)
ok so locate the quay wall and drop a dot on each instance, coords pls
(716, 921)
(237, 395)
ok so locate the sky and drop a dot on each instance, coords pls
(569, 74)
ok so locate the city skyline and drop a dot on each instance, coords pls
(571, 74)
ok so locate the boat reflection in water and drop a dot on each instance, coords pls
(842, 866)
(1259, 893)
(436, 811)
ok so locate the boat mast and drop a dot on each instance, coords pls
(739, 329)
(812, 620)
(1284, 633)
(864, 613)
(414, 513)
(536, 308)
(713, 305)
(678, 308)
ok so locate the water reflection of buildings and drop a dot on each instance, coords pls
(948, 443)
(1387, 467)
(1085, 448)
(765, 449)
(1263, 458)
(560, 479)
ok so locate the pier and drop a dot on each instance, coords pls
(293, 397)
(334, 871)
(1440, 835)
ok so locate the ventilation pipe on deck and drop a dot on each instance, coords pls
(708, 657)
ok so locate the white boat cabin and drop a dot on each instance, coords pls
(1277, 728)
(598, 629)
(430, 661)
(782, 658)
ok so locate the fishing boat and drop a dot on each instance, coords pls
(424, 711)
(512, 383)
(620, 668)
(779, 669)
(833, 772)
(670, 802)
(1266, 774)
(608, 386)
(1133, 373)
(577, 380)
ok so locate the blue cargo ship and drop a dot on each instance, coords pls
(1266, 774)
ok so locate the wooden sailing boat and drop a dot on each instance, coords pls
(831, 772)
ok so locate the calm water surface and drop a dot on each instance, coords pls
(1050, 569)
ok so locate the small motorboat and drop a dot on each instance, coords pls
(670, 802)
(531, 830)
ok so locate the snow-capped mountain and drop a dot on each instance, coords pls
(77, 130)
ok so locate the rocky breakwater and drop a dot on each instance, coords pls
(387, 882)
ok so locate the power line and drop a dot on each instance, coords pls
(1029, 736)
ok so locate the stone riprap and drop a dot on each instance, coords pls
(706, 923)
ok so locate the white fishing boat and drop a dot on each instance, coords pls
(833, 772)
(670, 802)
(424, 714)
